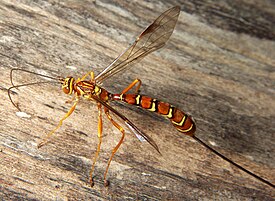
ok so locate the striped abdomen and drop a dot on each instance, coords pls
(179, 119)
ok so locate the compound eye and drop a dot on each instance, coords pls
(66, 90)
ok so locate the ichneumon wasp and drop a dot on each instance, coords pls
(152, 38)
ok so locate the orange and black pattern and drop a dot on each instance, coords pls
(179, 119)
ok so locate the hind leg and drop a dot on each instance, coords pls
(136, 81)
(99, 135)
(106, 183)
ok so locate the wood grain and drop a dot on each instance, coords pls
(217, 66)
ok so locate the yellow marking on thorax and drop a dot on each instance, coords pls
(87, 96)
(89, 85)
(97, 90)
(82, 93)
(180, 123)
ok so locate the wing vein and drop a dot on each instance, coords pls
(151, 39)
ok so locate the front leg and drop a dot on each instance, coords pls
(45, 139)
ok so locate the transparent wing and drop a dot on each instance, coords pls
(128, 123)
(151, 39)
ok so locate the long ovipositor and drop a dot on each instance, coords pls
(178, 118)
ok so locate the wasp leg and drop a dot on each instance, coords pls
(136, 81)
(70, 100)
(99, 135)
(106, 183)
(45, 139)
(91, 73)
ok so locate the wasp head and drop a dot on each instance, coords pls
(67, 85)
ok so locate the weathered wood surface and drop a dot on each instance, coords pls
(218, 66)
